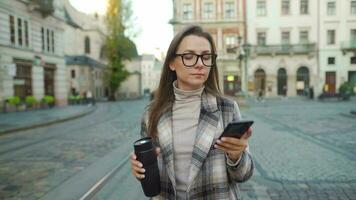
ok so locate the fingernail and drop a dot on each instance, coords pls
(218, 141)
(223, 139)
(215, 146)
(142, 176)
(140, 165)
(143, 170)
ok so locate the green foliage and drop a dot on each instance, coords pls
(48, 99)
(118, 47)
(345, 88)
(14, 100)
(30, 100)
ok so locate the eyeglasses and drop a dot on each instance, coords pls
(190, 59)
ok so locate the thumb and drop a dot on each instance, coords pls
(158, 151)
(247, 134)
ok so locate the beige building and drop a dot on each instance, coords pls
(283, 37)
(131, 87)
(337, 43)
(224, 19)
(86, 66)
(32, 50)
(151, 69)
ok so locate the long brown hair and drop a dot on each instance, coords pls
(164, 95)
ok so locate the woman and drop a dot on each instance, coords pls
(186, 118)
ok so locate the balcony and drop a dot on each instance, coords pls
(44, 6)
(283, 49)
(348, 46)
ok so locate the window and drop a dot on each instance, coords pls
(285, 7)
(26, 34)
(285, 37)
(187, 11)
(304, 7)
(261, 8)
(353, 60)
(261, 38)
(208, 10)
(353, 37)
(303, 37)
(87, 45)
(23, 77)
(331, 60)
(353, 7)
(43, 39)
(19, 31)
(48, 40)
(229, 10)
(72, 73)
(331, 37)
(331, 8)
(12, 29)
(230, 42)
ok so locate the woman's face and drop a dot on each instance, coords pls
(191, 75)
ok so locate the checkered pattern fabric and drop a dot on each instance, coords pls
(209, 176)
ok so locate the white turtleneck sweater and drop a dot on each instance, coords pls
(186, 111)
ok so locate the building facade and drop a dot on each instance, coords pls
(224, 19)
(337, 55)
(282, 38)
(131, 87)
(32, 51)
(86, 65)
(151, 69)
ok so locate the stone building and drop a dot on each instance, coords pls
(32, 50)
(224, 19)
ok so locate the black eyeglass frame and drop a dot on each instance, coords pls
(213, 57)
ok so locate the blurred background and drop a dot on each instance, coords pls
(76, 75)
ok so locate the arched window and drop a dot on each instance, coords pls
(282, 81)
(87, 44)
(302, 80)
(260, 80)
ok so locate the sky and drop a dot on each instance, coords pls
(151, 19)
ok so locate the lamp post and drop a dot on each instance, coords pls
(246, 48)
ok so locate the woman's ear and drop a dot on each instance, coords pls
(172, 67)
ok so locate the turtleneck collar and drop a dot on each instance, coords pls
(181, 95)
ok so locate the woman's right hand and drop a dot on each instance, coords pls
(137, 168)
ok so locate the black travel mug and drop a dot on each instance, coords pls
(146, 154)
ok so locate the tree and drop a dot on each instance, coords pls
(118, 47)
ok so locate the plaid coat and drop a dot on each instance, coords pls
(209, 176)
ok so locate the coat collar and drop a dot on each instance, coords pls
(208, 121)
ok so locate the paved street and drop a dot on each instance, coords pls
(302, 149)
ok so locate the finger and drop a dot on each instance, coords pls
(158, 151)
(229, 146)
(139, 170)
(136, 163)
(226, 150)
(234, 141)
(247, 134)
(138, 175)
(133, 156)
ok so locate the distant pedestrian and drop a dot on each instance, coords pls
(89, 97)
(285, 91)
(311, 92)
(260, 95)
(186, 118)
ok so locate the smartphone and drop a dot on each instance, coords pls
(236, 129)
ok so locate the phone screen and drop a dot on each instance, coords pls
(237, 129)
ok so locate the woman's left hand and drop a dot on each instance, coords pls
(234, 147)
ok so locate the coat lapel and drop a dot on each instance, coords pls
(165, 137)
(208, 122)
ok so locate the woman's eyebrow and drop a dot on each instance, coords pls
(193, 51)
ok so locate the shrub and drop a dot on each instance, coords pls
(14, 100)
(30, 100)
(345, 88)
(48, 99)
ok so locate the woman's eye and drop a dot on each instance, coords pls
(207, 57)
(188, 56)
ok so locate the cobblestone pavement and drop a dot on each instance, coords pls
(303, 150)
(36, 162)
